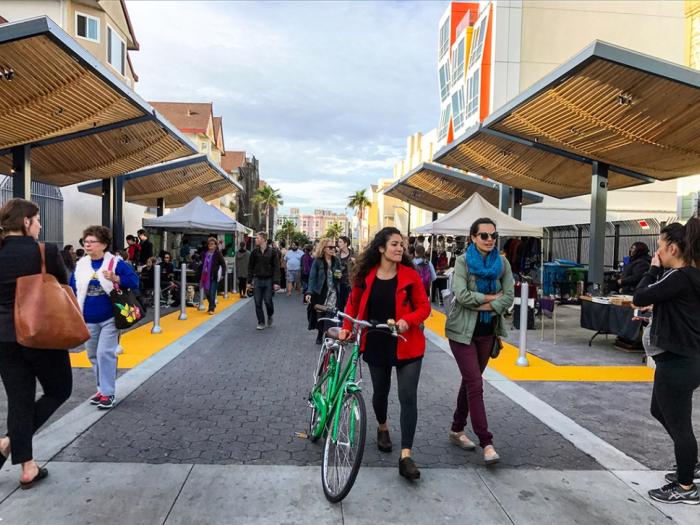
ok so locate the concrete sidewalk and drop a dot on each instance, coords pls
(204, 433)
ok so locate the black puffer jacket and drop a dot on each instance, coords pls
(633, 272)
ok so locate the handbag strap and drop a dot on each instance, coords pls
(42, 251)
(110, 268)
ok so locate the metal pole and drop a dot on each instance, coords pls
(236, 247)
(183, 292)
(409, 219)
(432, 241)
(156, 300)
(522, 353)
(504, 198)
(226, 283)
(201, 307)
(22, 172)
(599, 202)
(107, 202)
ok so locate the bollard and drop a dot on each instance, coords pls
(226, 283)
(183, 293)
(156, 300)
(235, 280)
(201, 299)
(524, 300)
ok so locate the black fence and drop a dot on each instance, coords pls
(572, 242)
(50, 203)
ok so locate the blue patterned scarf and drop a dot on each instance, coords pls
(486, 270)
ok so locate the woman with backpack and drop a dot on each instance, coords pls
(483, 287)
(425, 268)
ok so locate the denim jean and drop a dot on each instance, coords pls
(262, 290)
(102, 353)
(211, 295)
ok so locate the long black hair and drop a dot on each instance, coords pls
(371, 256)
(687, 238)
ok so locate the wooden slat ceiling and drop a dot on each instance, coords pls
(177, 186)
(57, 89)
(619, 115)
(437, 191)
(528, 168)
(607, 104)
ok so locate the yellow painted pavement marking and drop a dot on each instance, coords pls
(140, 344)
(542, 370)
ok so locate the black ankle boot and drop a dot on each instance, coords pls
(408, 468)
(383, 440)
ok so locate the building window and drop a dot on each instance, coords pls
(204, 148)
(116, 51)
(478, 38)
(304, 224)
(473, 88)
(445, 80)
(445, 37)
(87, 27)
(444, 122)
(458, 109)
(458, 61)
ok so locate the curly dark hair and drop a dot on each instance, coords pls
(371, 256)
(101, 233)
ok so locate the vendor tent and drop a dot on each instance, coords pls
(196, 215)
(458, 221)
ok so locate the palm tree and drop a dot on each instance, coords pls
(334, 231)
(269, 198)
(287, 230)
(359, 201)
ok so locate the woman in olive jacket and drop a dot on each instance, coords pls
(21, 367)
(483, 292)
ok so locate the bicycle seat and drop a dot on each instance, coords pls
(333, 332)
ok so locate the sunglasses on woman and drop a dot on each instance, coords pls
(485, 236)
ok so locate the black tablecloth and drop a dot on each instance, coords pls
(609, 318)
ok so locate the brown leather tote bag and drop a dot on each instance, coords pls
(47, 315)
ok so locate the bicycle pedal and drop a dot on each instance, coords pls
(301, 435)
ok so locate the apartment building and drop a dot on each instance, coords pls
(247, 172)
(314, 225)
(489, 51)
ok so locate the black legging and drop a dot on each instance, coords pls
(408, 376)
(672, 405)
(20, 368)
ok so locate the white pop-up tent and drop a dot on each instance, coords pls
(198, 216)
(458, 221)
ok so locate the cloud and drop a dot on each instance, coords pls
(317, 91)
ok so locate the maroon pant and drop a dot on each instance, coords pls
(472, 360)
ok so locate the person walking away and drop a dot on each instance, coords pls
(282, 250)
(241, 260)
(68, 256)
(632, 273)
(483, 291)
(347, 262)
(93, 281)
(425, 268)
(133, 249)
(22, 367)
(145, 248)
(324, 281)
(675, 332)
(213, 262)
(306, 261)
(263, 278)
(386, 286)
(293, 262)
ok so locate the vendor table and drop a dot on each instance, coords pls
(608, 319)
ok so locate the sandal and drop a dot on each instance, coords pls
(42, 474)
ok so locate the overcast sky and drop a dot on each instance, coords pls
(324, 94)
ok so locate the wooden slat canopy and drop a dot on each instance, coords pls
(82, 122)
(638, 114)
(177, 182)
(437, 188)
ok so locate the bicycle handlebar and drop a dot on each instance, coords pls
(389, 325)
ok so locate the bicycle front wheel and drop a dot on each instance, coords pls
(342, 457)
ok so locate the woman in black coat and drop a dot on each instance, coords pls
(21, 367)
(324, 283)
(639, 264)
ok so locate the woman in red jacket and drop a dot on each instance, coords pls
(387, 286)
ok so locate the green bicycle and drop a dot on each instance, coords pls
(337, 407)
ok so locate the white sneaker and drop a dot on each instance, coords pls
(491, 456)
(261, 326)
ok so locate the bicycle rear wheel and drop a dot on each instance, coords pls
(342, 458)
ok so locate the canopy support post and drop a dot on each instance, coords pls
(118, 213)
(107, 202)
(504, 198)
(599, 203)
(516, 203)
(160, 206)
(22, 172)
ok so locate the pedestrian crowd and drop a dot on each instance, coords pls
(391, 279)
